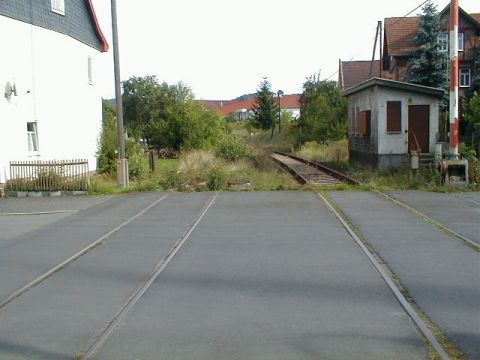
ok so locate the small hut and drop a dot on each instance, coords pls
(388, 119)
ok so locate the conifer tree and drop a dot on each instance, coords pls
(265, 109)
(428, 66)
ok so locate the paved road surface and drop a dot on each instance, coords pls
(441, 274)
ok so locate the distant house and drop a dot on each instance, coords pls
(352, 73)
(398, 43)
(50, 107)
(389, 118)
(399, 35)
(241, 109)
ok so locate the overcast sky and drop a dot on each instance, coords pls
(223, 48)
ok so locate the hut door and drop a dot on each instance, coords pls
(419, 124)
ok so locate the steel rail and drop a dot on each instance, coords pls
(428, 219)
(334, 173)
(390, 283)
(41, 213)
(301, 179)
(74, 257)
(132, 300)
(468, 199)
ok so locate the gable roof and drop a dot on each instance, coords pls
(352, 73)
(400, 32)
(79, 22)
(231, 106)
(392, 84)
(96, 25)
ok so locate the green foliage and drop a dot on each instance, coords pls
(217, 178)
(471, 114)
(469, 153)
(232, 148)
(165, 115)
(137, 161)
(428, 66)
(107, 143)
(323, 111)
(265, 109)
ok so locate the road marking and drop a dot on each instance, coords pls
(74, 257)
(390, 283)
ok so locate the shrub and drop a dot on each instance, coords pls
(107, 143)
(217, 178)
(137, 162)
(232, 148)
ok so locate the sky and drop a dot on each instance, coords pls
(222, 48)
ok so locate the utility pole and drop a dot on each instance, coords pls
(279, 95)
(454, 78)
(122, 163)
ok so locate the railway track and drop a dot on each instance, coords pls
(311, 172)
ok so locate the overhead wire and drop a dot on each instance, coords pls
(396, 21)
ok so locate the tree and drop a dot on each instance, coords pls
(265, 109)
(140, 97)
(323, 111)
(428, 66)
(165, 115)
(471, 114)
(107, 142)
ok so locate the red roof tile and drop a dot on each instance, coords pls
(400, 34)
(476, 17)
(96, 25)
(230, 106)
(353, 73)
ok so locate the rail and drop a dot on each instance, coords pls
(70, 175)
(321, 167)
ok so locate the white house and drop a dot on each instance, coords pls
(50, 108)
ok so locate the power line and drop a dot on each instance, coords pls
(396, 21)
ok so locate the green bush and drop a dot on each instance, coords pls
(232, 148)
(107, 143)
(137, 161)
(171, 180)
(217, 179)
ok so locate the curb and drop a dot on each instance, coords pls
(39, 194)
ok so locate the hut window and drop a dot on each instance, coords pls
(362, 125)
(394, 116)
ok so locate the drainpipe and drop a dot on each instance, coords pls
(454, 78)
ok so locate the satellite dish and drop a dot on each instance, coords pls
(8, 91)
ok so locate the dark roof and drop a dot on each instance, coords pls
(352, 73)
(400, 32)
(79, 21)
(392, 84)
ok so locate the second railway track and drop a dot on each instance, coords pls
(311, 172)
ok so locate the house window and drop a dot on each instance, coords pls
(394, 116)
(90, 70)
(362, 125)
(442, 41)
(32, 134)
(465, 77)
(461, 41)
(58, 6)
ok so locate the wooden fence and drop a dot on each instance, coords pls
(69, 175)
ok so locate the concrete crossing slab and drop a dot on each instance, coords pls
(440, 273)
(267, 276)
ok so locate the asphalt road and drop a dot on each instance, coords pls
(265, 275)
(441, 273)
(454, 211)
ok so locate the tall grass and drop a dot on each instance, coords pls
(335, 151)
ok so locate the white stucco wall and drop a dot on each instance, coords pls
(375, 99)
(397, 143)
(50, 72)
